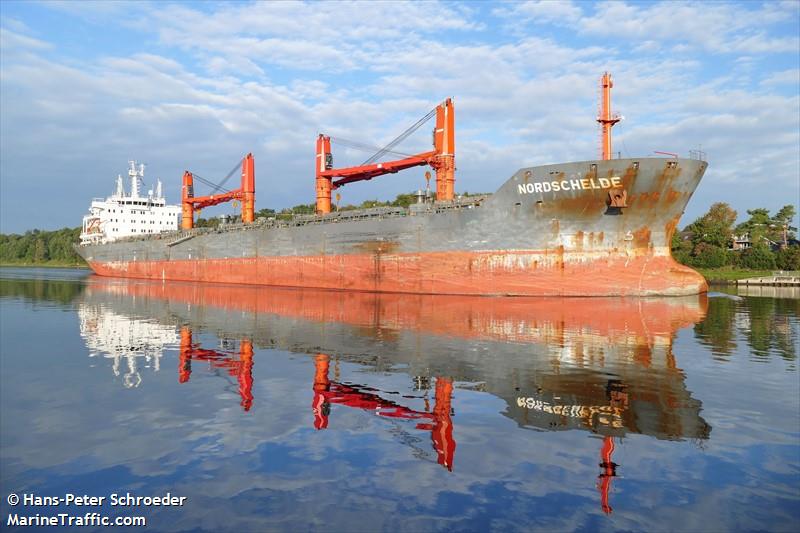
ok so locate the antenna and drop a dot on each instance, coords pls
(135, 176)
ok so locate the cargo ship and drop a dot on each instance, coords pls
(590, 228)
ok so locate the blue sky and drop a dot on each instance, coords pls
(86, 86)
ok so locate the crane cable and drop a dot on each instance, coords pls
(386, 149)
(363, 146)
(217, 187)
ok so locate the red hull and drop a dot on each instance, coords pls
(513, 273)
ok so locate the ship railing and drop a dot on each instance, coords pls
(467, 202)
(698, 155)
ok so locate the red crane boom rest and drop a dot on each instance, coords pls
(245, 194)
(442, 159)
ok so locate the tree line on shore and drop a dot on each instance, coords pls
(765, 241)
(41, 247)
(762, 242)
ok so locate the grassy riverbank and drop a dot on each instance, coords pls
(729, 274)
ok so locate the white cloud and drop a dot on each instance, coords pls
(761, 43)
(543, 11)
(789, 77)
(13, 41)
(714, 26)
(236, 78)
(336, 37)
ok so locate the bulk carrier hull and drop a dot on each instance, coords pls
(548, 231)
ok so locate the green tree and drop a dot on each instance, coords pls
(709, 256)
(782, 223)
(763, 227)
(41, 246)
(715, 227)
(681, 248)
(303, 209)
(404, 200)
(39, 251)
(758, 257)
(788, 258)
(758, 217)
(300, 209)
(711, 238)
(212, 222)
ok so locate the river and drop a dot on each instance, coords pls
(282, 409)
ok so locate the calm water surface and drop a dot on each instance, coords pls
(273, 409)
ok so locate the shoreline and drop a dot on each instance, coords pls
(45, 265)
(729, 276)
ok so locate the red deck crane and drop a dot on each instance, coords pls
(245, 194)
(441, 159)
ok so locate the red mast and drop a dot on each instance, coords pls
(606, 118)
(444, 144)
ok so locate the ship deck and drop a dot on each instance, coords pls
(297, 220)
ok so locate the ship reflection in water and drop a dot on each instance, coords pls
(327, 392)
(602, 365)
(240, 367)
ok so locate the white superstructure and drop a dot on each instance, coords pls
(123, 215)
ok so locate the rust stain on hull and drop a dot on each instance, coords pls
(641, 237)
